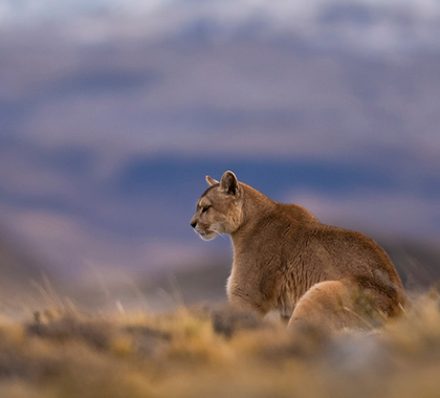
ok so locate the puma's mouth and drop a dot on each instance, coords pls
(206, 235)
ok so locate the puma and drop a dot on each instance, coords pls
(285, 260)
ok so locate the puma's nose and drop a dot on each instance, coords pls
(193, 224)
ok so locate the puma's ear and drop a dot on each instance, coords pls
(229, 183)
(210, 181)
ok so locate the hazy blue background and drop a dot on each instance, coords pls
(112, 112)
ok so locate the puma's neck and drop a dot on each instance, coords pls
(256, 206)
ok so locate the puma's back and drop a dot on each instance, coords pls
(286, 260)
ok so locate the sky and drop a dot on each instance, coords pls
(112, 113)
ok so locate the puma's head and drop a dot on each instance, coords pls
(219, 209)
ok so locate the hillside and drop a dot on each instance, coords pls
(418, 265)
(25, 280)
(27, 284)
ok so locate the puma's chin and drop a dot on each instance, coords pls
(207, 235)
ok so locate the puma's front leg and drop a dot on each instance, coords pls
(242, 300)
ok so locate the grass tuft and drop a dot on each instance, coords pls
(198, 353)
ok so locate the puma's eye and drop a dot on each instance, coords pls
(205, 209)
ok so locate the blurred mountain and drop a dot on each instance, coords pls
(363, 25)
(111, 114)
(417, 263)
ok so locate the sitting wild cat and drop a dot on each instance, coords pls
(284, 259)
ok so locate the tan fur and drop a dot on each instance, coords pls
(284, 259)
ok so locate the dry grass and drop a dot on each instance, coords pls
(202, 353)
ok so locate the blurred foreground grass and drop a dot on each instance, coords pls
(216, 353)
